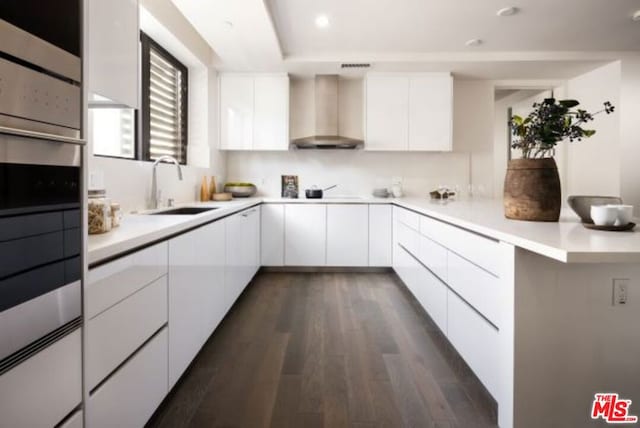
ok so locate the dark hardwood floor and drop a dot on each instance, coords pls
(327, 350)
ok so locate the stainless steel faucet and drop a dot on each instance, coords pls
(155, 193)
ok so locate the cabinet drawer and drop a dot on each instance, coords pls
(408, 238)
(407, 217)
(433, 256)
(406, 267)
(482, 251)
(432, 295)
(132, 394)
(115, 281)
(116, 333)
(477, 286)
(42, 390)
(475, 339)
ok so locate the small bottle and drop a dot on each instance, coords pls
(204, 190)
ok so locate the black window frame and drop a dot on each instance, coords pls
(146, 44)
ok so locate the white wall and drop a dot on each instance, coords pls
(594, 164)
(359, 172)
(629, 114)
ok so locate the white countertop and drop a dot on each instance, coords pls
(567, 241)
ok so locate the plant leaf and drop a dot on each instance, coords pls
(568, 103)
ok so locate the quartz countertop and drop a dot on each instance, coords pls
(566, 241)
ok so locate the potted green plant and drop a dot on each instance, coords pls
(532, 184)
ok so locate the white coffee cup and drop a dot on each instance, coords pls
(624, 214)
(604, 215)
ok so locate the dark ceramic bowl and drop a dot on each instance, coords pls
(582, 204)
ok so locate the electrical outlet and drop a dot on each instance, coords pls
(620, 291)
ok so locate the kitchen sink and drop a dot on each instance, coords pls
(184, 211)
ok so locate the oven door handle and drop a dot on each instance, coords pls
(41, 136)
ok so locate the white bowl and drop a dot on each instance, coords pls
(604, 215)
(624, 213)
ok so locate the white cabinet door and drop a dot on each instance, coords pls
(272, 231)
(430, 112)
(347, 235)
(44, 389)
(132, 394)
(271, 112)
(235, 248)
(236, 111)
(196, 293)
(250, 242)
(305, 234)
(387, 112)
(380, 235)
(114, 45)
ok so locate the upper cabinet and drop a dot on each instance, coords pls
(254, 111)
(113, 57)
(408, 111)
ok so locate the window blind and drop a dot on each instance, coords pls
(166, 108)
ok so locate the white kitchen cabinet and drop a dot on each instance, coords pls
(45, 388)
(115, 334)
(476, 340)
(236, 111)
(380, 235)
(254, 111)
(197, 293)
(242, 252)
(305, 234)
(114, 40)
(130, 396)
(432, 295)
(387, 112)
(409, 111)
(271, 112)
(431, 112)
(272, 232)
(347, 235)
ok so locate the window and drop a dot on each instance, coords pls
(164, 103)
(160, 128)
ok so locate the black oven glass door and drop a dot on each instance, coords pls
(57, 22)
(40, 254)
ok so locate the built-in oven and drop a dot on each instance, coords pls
(41, 68)
(40, 245)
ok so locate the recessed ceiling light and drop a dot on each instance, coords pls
(228, 24)
(473, 42)
(636, 16)
(322, 21)
(507, 11)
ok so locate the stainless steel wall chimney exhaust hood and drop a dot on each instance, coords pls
(326, 119)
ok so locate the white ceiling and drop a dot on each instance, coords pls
(364, 26)
(547, 39)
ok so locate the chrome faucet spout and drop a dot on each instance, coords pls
(154, 179)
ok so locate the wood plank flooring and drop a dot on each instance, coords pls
(327, 350)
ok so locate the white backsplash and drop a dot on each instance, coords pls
(356, 172)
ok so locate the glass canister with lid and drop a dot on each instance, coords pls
(99, 212)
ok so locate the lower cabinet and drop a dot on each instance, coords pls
(476, 340)
(242, 237)
(347, 235)
(130, 396)
(272, 235)
(305, 235)
(74, 421)
(462, 298)
(43, 390)
(198, 295)
(380, 235)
